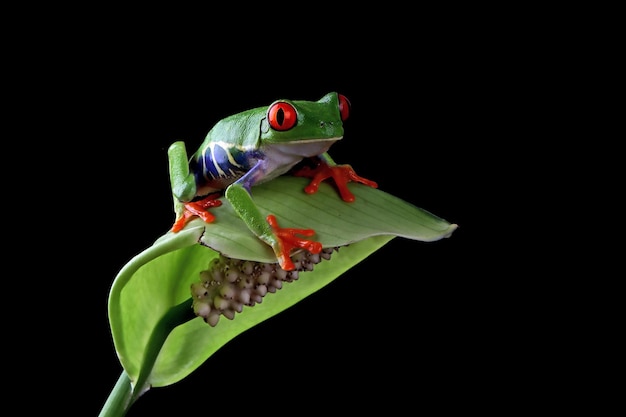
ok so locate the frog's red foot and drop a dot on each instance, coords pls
(199, 209)
(342, 174)
(287, 240)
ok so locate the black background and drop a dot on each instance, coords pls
(414, 322)
(412, 313)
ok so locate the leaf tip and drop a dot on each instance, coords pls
(451, 229)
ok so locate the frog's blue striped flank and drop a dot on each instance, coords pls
(219, 161)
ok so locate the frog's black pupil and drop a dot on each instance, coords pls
(280, 117)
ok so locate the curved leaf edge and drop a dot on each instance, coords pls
(162, 246)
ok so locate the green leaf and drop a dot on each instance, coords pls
(335, 222)
(159, 278)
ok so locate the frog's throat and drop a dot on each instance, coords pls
(300, 148)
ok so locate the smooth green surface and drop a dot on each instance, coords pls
(159, 278)
(335, 222)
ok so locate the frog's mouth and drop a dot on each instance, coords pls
(335, 139)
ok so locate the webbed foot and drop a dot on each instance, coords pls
(199, 209)
(287, 240)
(342, 174)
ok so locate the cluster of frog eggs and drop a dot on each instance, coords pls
(230, 284)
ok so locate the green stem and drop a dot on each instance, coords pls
(124, 393)
(118, 402)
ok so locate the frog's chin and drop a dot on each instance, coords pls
(305, 147)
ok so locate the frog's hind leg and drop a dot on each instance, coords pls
(197, 208)
(287, 240)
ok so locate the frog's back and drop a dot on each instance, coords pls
(242, 129)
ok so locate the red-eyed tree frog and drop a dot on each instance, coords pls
(255, 146)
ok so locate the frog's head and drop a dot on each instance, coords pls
(299, 122)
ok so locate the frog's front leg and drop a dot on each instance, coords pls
(341, 174)
(195, 208)
(184, 190)
(282, 240)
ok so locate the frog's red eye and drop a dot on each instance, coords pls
(282, 116)
(344, 106)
